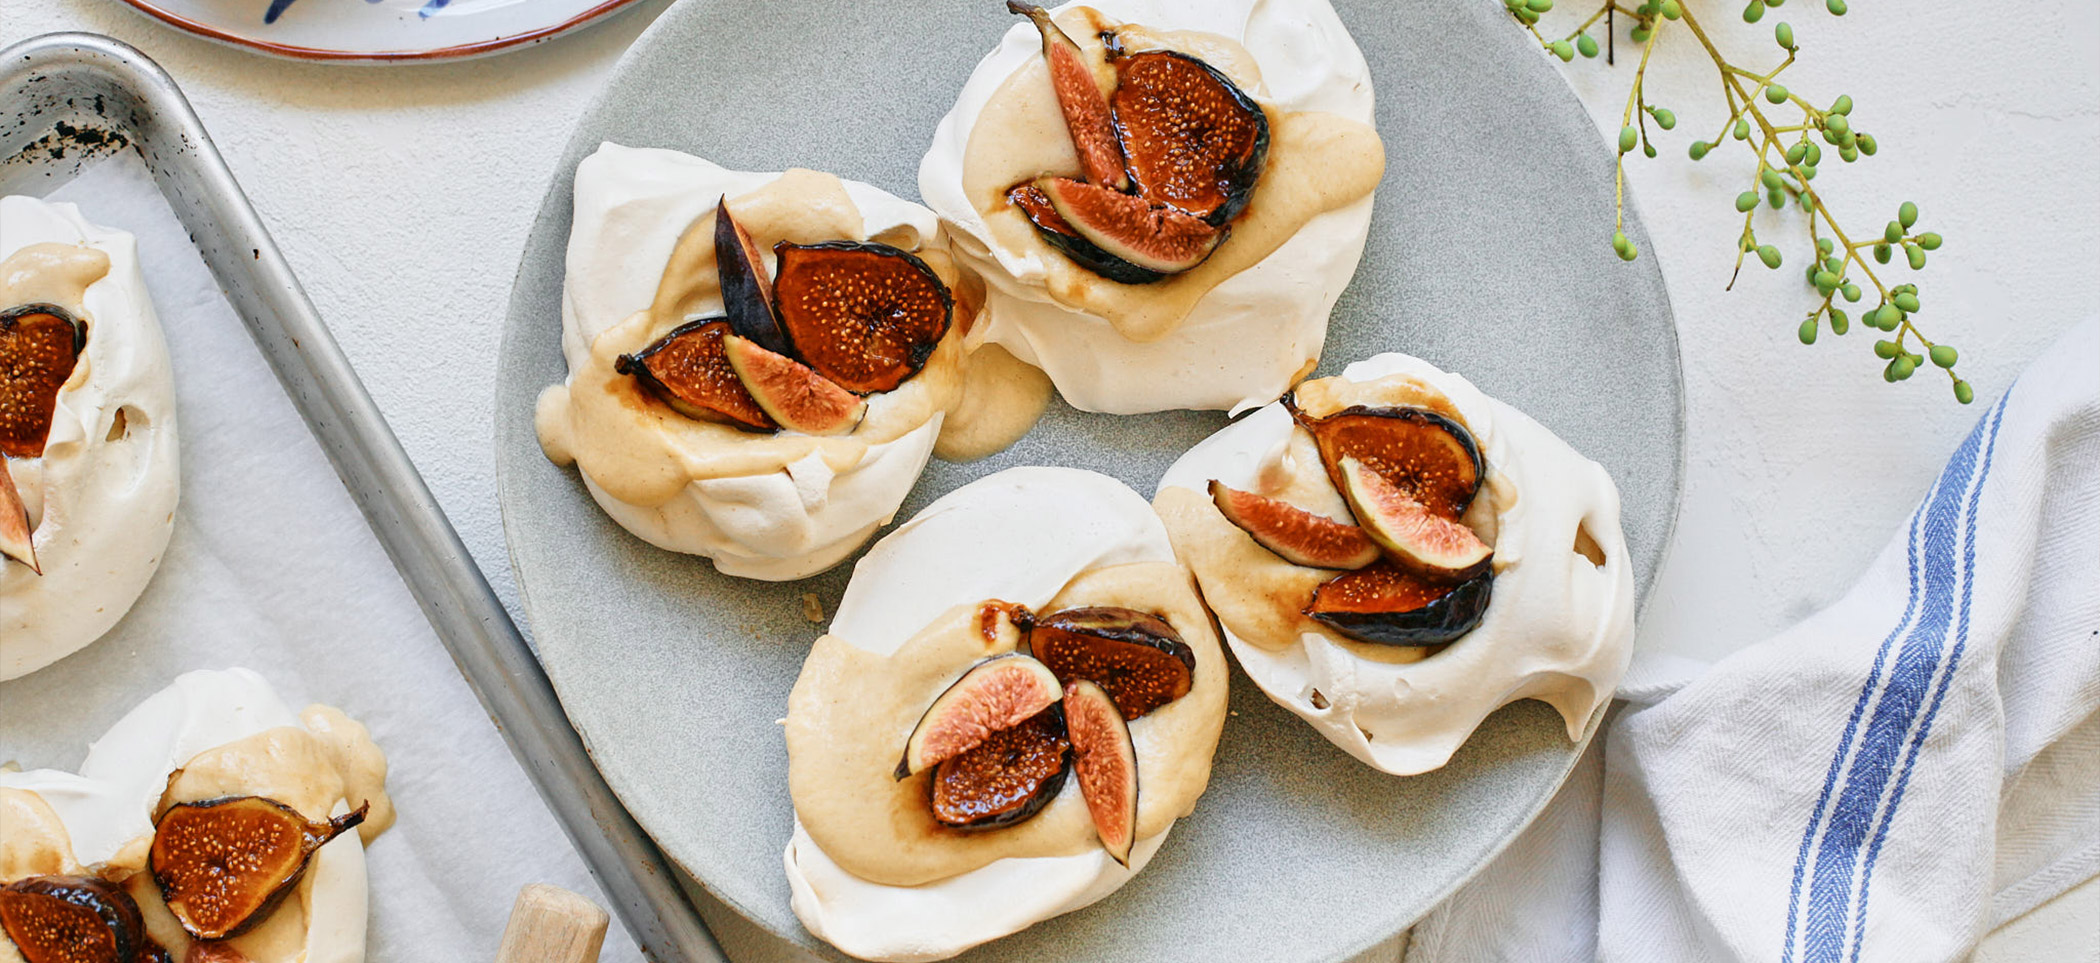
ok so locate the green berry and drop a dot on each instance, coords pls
(1825, 282)
(1742, 128)
(1768, 254)
(1843, 105)
(1797, 153)
(1903, 366)
(1929, 241)
(1664, 118)
(1629, 252)
(1866, 144)
(1907, 301)
(1881, 253)
(1837, 7)
(1640, 34)
(1754, 12)
(1771, 179)
(1908, 214)
(1784, 33)
(1648, 149)
(1745, 201)
(1775, 93)
(1849, 154)
(1944, 355)
(1916, 255)
(1892, 233)
(1808, 331)
(1561, 49)
(1839, 322)
(1671, 11)
(1587, 44)
(1699, 149)
(1628, 137)
(1776, 198)
(1824, 246)
(1962, 392)
(1851, 292)
(1885, 349)
(1539, 6)
(1836, 123)
(1808, 172)
(1830, 262)
(1887, 317)
(1815, 154)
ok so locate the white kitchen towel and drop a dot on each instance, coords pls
(1887, 780)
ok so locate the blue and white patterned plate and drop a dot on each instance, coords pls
(379, 31)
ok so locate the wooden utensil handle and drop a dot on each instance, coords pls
(549, 924)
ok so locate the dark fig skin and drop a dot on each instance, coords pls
(747, 287)
(62, 919)
(1053, 229)
(1150, 235)
(39, 346)
(1424, 454)
(863, 314)
(689, 371)
(1168, 105)
(1079, 97)
(1388, 605)
(196, 845)
(1137, 657)
(1005, 780)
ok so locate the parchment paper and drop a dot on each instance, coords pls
(272, 567)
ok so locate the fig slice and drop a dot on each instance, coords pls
(1149, 235)
(223, 864)
(1294, 534)
(1437, 546)
(1192, 139)
(17, 539)
(1079, 97)
(39, 345)
(688, 370)
(73, 919)
(1105, 760)
(1389, 605)
(1138, 658)
(1053, 229)
(1430, 458)
(747, 288)
(994, 695)
(793, 394)
(1007, 778)
(865, 315)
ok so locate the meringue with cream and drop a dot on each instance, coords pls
(99, 495)
(209, 734)
(1558, 626)
(640, 263)
(1233, 332)
(871, 870)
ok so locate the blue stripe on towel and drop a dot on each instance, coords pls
(1898, 705)
(1939, 695)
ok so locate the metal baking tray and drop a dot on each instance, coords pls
(69, 98)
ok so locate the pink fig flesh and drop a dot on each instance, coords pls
(1294, 534)
(996, 694)
(1079, 97)
(17, 540)
(1154, 237)
(1105, 760)
(1416, 536)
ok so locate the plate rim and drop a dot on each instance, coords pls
(478, 48)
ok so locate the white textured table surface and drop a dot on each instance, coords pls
(402, 197)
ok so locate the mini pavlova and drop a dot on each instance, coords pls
(1393, 555)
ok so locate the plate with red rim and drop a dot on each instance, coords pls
(380, 31)
(1488, 256)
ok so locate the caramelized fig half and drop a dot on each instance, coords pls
(994, 695)
(1192, 139)
(747, 288)
(1428, 457)
(1138, 658)
(1009, 777)
(793, 394)
(863, 314)
(1418, 538)
(17, 539)
(1294, 534)
(223, 864)
(39, 345)
(689, 371)
(72, 919)
(1105, 760)
(1130, 228)
(1389, 605)
(1079, 97)
(1053, 229)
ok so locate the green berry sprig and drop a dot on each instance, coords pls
(1787, 153)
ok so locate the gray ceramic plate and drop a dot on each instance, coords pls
(1487, 256)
